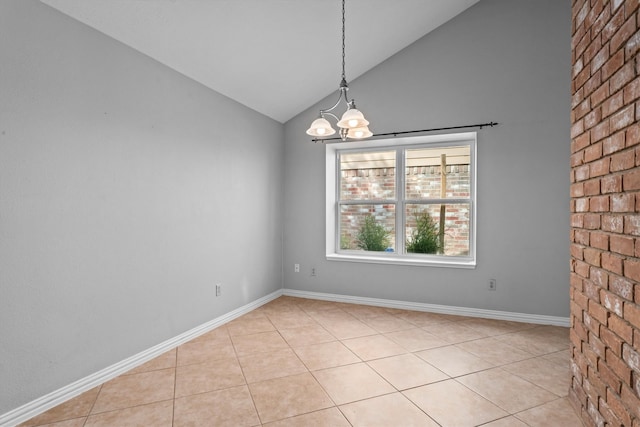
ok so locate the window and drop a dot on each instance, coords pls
(422, 216)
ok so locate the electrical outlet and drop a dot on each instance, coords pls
(313, 271)
(296, 268)
(218, 289)
(492, 284)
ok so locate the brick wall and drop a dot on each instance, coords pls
(605, 202)
(421, 182)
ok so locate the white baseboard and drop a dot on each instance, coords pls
(40, 405)
(434, 308)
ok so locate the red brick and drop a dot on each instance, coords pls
(613, 223)
(582, 269)
(576, 251)
(622, 245)
(599, 240)
(623, 161)
(625, 202)
(577, 159)
(613, 25)
(632, 225)
(592, 256)
(623, 118)
(591, 324)
(591, 222)
(577, 128)
(611, 262)
(621, 77)
(590, 120)
(611, 184)
(582, 205)
(632, 269)
(597, 97)
(632, 315)
(633, 46)
(598, 312)
(609, 377)
(621, 287)
(612, 340)
(624, 33)
(613, 104)
(612, 65)
(577, 220)
(618, 408)
(600, 131)
(631, 181)
(577, 189)
(591, 289)
(593, 83)
(581, 142)
(615, 142)
(618, 366)
(593, 152)
(631, 356)
(632, 135)
(631, 400)
(621, 328)
(599, 168)
(600, 279)
(599, 204)
(611, 302)
(632, 90)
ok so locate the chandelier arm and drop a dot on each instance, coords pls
(323, 112)
(340, 95)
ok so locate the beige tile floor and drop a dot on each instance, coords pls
(299, 362)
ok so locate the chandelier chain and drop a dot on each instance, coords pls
(343, 25)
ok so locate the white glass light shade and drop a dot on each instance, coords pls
(352, 118)
(359, 133)
(321, 127)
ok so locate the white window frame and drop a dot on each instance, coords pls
(333, 253)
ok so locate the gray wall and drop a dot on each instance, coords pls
(123, 200)
(501, 60)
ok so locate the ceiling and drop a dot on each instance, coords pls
(278, 57)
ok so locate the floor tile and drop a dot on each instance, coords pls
(246, 326)
(258, 343)
(76, 407)
(407, 371)
(373, 347)
(387, 323)
(492, 327)
(548, 374)
(331, 417)
(348, 328)
(164, 361)
(416, 339)
(352, 382)
(423, 318)
(388, 410)
(219, 333)
(203, 377)
(273, 364)
(556, 413)
(138, 389)
(205, 409)
(451, 404)
(508, 391)
(326, 355)
(281, 398)
(454, 361)
(494, 351)
(308, 335)
(540, 340)
(289, 320)
(453, 332)
(510, 421)
(158, 414)
(205, 351)
(76, 422)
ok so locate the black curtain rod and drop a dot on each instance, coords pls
(481, 125)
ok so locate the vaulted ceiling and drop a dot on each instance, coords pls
(277, 57)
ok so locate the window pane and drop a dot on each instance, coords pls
(424, 234)
(423, 173)
(368, 176)
(367, 227)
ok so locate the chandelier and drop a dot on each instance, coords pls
(352, 124)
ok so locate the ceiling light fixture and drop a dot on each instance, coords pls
(352, 124)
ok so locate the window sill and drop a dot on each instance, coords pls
(396, 260)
